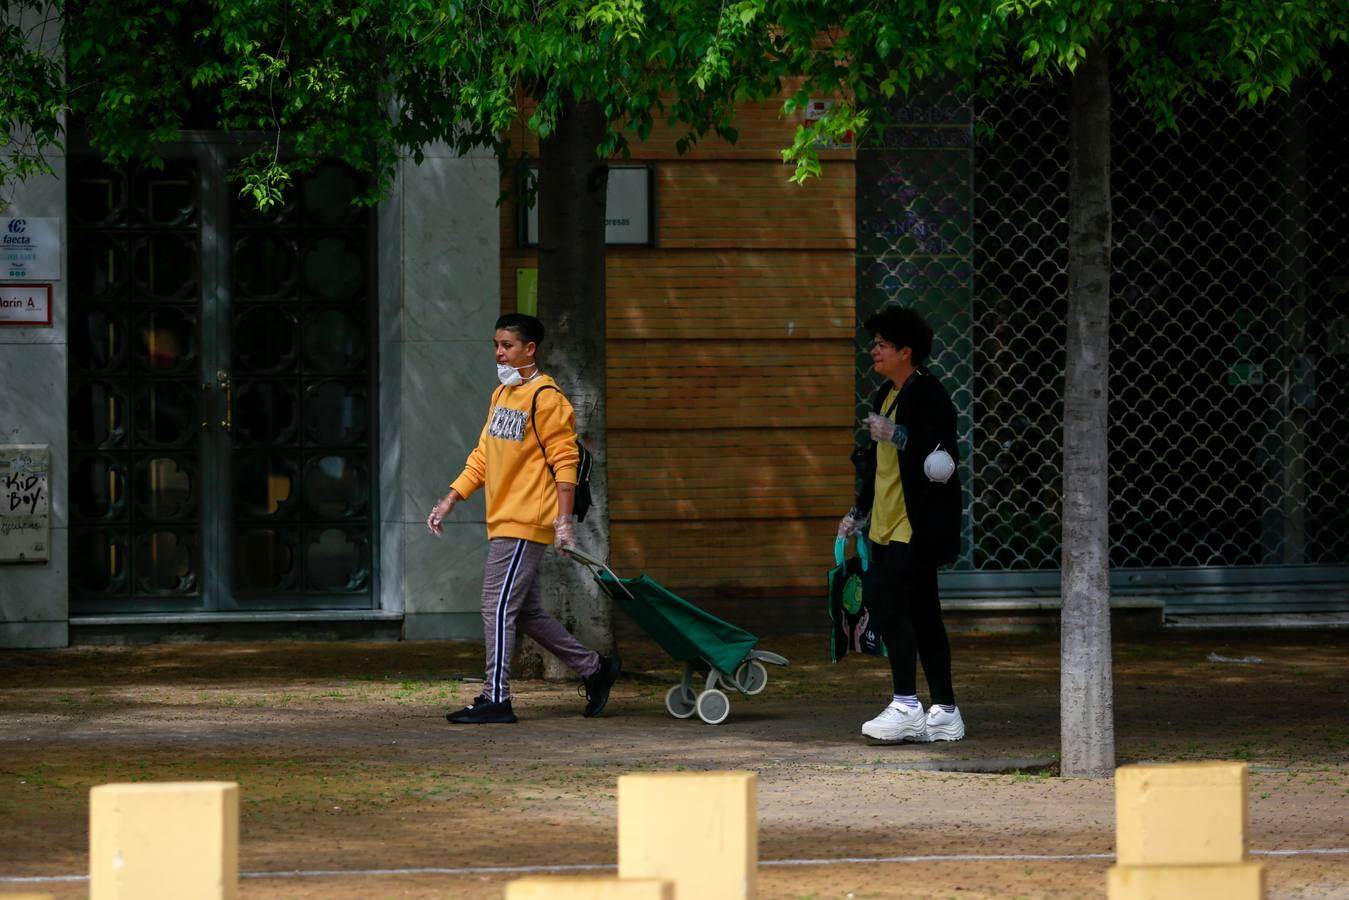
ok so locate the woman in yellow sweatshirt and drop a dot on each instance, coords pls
(525, 462)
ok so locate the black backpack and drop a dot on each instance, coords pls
(584, 463)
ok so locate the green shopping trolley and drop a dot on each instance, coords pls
(692, 636)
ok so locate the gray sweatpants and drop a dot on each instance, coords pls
(510, 597)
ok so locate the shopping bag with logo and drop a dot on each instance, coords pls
(853, 628)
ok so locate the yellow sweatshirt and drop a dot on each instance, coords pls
(521, 492)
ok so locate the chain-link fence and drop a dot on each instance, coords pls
(1229, 385)
(1229, 423)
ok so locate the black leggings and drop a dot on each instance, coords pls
(902, 595)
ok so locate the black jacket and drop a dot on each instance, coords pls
(926, 410)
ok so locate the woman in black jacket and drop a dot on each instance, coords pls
(909, 507)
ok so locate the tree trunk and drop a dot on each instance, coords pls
(1086, 691)
(573, 184)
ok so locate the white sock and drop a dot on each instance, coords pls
(908, 701)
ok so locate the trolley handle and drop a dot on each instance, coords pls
(595, 566)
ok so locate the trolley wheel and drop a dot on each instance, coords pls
(679, 705)
(713, 707)
(751, 677)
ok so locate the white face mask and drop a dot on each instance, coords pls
(510, 376)
(939, 466)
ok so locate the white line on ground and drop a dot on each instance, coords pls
(539, 870)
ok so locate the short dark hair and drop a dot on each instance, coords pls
(527, 327)
(904, 328)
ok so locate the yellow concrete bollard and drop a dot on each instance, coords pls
(1231, 881)
(700, 830)
(1180, 832)
(562, 887)
(1181, 814)
(164, 841)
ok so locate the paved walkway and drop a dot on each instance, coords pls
(348, 768)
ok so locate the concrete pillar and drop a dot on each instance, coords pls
(1180, 814)
(698, 829)
(34, 597)
(1237, 881)
(558, 887)
(439, 296)
(1180, 832)
(164, 841)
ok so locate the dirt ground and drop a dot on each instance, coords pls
(346, 764)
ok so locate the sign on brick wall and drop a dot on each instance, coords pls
(629, 211)
(24, 503)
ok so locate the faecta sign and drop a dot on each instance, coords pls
(30, 249)
(25, 304)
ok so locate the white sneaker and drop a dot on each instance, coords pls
(942, 725)
(896, 723)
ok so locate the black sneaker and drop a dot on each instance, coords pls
(597, 686)
(483, 712)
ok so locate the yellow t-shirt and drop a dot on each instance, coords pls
(889, 516)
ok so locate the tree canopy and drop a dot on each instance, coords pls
(369, 81)
(1165, 53)
(31, 91)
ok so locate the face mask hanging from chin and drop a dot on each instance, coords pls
(510, 376)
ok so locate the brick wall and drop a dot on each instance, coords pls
(730, 368)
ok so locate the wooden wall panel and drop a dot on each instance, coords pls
(735, 384)
(764, 131)
(719, 294)
(741, 205)
(754, 557)
(730, 368)
(752, 204)
(731, 473)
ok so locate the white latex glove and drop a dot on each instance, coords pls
(851, 524)
(565, 528)
(886, 431)
(439, 512)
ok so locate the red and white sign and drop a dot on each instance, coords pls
(25, 304)
(815, 111)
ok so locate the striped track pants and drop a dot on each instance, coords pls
(510, 603)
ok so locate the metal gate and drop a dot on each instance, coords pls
(1229, 384)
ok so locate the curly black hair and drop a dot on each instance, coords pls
(904, 328)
